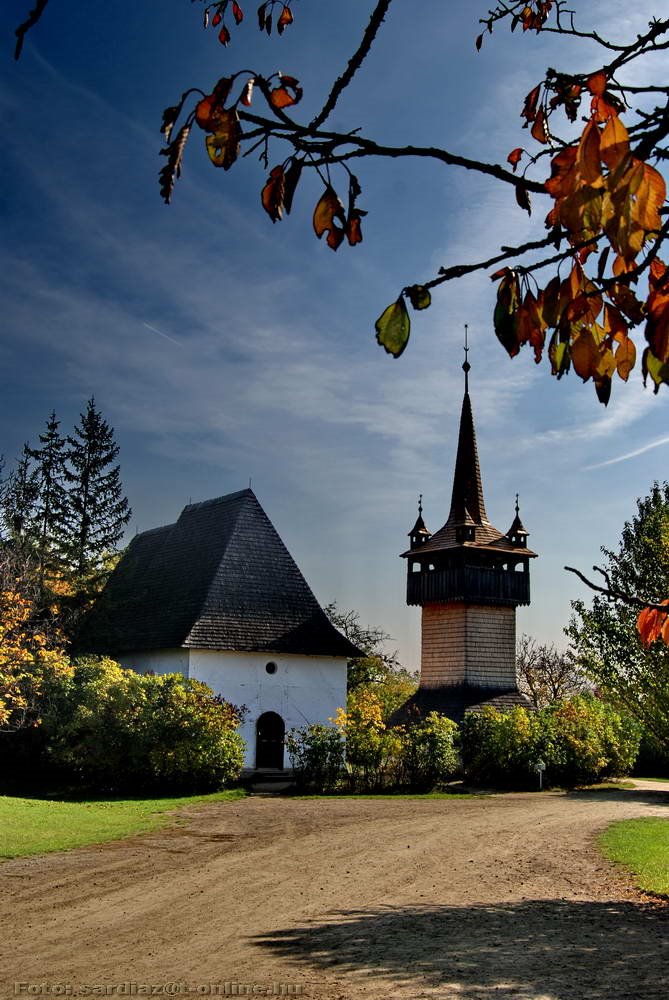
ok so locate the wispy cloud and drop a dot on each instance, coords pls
(631, 454)
(161, 334)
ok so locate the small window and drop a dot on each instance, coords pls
(271, 667)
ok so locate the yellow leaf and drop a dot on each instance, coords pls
(625, 358)
(615, 143)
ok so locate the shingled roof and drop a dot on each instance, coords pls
(467, 503)
(219, 578)
(456, 701)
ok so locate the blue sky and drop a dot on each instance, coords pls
(224, 348)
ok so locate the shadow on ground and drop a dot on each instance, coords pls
(560, 949)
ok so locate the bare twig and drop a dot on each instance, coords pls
(31, 20)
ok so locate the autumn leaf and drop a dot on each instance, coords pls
(237, 12)
(540, 127)
(657, 324)
(505, 318)
(281, 97)
(419, 296)
(585, 354)
(628, 303)
(514, 157)
(329, 209)
(614, 146)
(559, 354)
(285, 18)
(172, 169)
(291, 181)
(653, 625)
(529, 112)
(596, 83)
(625, 358)
(658, 371)
(272, 195)
(224, 36)
(223, 145)
(393, 328)
(247, 93)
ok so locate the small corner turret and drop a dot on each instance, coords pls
(517, 534)
(419, 533)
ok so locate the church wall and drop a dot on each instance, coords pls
(468, 643)
(159, 661)
(304, 689)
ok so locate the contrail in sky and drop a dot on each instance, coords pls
(161, 334)
(631, 454)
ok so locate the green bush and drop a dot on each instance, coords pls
(114, 729)
(428, 756)
(581, 740)
(589, 741)
(317, 757)
(501, 748)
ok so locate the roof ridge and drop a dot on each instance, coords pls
(225, 498)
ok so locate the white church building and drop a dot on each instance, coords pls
(218, 597)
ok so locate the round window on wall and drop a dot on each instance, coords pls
(271, 667)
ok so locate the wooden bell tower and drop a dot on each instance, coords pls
(468, 578)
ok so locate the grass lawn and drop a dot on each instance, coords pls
(34, 826)
(642, 845)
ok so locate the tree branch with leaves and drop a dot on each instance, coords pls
(607, 218)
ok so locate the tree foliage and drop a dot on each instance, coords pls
(579, 740)
(97, 510)
(605, 634)
(62, 514)
(112, 729)
(592, 133)
(31, 654)
(545, 673)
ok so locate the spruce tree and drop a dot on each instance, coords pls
(97, 509)
(49, 511)
(18, 500)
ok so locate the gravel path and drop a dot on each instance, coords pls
(502, 896)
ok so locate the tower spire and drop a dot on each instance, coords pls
(466, 366)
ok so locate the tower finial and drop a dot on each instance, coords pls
(466, 366)
(420, 504)
(517, 506)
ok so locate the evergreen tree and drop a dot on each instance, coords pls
(18, 500)
(97, 509)
(605, 634)
(49, 511)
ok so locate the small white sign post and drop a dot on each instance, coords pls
(540, 767)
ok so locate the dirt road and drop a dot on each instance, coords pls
(500, 896)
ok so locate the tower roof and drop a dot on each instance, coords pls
(219, 578)
(467, 501)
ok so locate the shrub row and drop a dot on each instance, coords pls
(112, 729)
(578, 741)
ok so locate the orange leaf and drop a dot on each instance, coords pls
(585, 355)
(596, 84)
(514, 157)
(285, 18)
(539, 129)
(652, 625)
(587, 158)
(625, 358)
(615, 143)
(657, 325)
(281, 97)
(529, 111)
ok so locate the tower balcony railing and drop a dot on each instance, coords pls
(469, 583)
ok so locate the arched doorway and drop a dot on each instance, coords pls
(270, 731)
